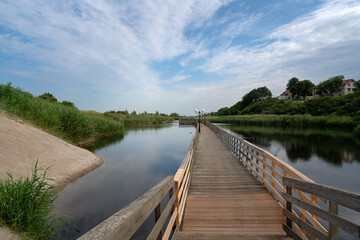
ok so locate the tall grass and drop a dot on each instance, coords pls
(25, 205)
(344, 122)
(59, 119)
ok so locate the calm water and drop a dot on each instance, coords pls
(133, 164)
(330, 157)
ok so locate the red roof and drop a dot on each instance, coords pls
(286, 93)
(348, 81)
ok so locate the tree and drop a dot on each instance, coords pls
(292, 82)
(357, 85)
(48, 96)
(254, 95)
(174, 114)
(302, 88)
(223, 111)
(330, 86)
(68, 103)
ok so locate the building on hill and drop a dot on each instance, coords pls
(287, 95)
(347, 87)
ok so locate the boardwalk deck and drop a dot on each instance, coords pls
(225, 201)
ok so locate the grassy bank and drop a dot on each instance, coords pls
(65, 120)
(331, 121)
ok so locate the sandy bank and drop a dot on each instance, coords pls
(22, 144)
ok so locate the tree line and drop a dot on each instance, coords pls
(300, 89)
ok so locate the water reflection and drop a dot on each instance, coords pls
(332, 146)
(133, 164)
(327, 156)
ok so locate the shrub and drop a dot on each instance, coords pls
(48, 96)
(25, 205)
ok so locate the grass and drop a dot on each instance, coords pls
(61, 120)
(66, 121)
(333, 121)
(25, 205)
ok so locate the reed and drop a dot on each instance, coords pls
(62, 120)
(25, 205)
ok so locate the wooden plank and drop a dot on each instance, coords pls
(157, 216)
(155, 232)
(343, 197)
(342, 223)
(291, 233)
(123, 224)
(310, 229)
(333, 229)
(170, 226)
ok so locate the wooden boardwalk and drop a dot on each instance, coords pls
(225, 201)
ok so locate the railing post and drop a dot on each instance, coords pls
(157, 216)
(334, 230)
(289, 207)
(264, 166)
(257, 161)
(177, 203)
(273, 173)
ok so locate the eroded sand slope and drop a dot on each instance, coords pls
(22, 144)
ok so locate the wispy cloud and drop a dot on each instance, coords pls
(110, 48)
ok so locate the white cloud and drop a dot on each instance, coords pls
(112, 44)
(323, 42)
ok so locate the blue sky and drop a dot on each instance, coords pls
(173, 56)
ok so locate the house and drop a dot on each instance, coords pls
(287, 95)
(347, 87)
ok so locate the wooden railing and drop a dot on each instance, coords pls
(270, 170)
(123, 224)
(183, 177)
(335, 197)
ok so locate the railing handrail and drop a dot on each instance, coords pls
(268, 173)
(182, 178)
(334, 195)
(124, 223)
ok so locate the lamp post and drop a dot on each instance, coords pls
(203, 113)
(198, 112)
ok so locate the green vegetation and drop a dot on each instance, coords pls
(57, 118)
(300, 88)
(64, 120)
(254, 95)
(25, 205)
(336, 112)
(330, 86)
(347, 105)
(344, 122)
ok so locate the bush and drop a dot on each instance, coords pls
(25, 205)
(48, 96)
(357, 131)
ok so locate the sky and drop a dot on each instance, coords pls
(173, 56)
